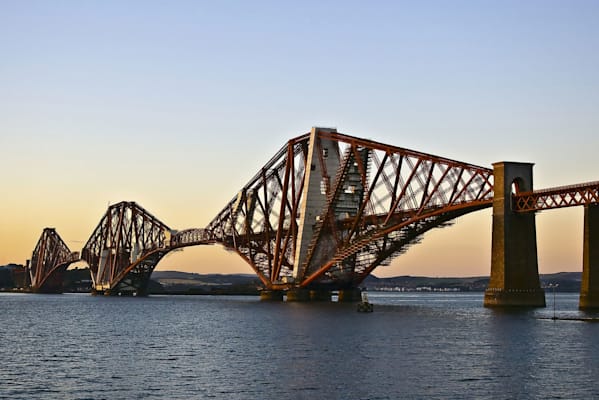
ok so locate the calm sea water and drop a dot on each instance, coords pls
(433, 346)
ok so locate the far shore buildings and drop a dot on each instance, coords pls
(13, 276)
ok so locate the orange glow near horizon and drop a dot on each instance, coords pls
(177, 107)
(462, 249)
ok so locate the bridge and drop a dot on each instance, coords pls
(49, 261)
(329, 208)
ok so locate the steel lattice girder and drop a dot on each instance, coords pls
(50, 258)
(260, 223)
(128, 240)
(396, 195)
(565, 196)
(379, 200)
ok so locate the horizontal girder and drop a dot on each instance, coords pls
(559, 197)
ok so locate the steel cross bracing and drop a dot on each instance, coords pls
(261, 222)
(127, 245)
(50, 258)
(325, 211)
(190, 237)
(378, 201)
(565, 196)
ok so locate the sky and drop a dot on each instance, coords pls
(176, 105)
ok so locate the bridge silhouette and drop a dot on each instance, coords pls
(327, 210)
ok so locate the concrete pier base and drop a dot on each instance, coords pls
(514, 298)
(298, 295)
(305, 295)
(589, 287)
(320, 295)
(353, 295)
(271, 295)
(514, 280)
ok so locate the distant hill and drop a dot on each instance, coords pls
(182, 281)
(177, 282)
(566, 281)
(423, 283)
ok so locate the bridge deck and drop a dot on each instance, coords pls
(558, 197)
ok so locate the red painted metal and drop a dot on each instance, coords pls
(127, 245)
(410, 193)
(50, 259)
(379, 200)
(261, 222)
(396, 195)
(559, 197)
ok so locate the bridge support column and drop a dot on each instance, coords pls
(589, 288)
(353, 295)
(320, 295)
(305, 295)
(514, 266)
(298, 295)
(271, 295)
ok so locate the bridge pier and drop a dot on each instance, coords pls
(589, 287)
(320, 295)
(305, 295)
(271, 295)
(514, 277)
(353, 295)
(299, 295)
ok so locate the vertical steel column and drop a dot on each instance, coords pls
(514, 266)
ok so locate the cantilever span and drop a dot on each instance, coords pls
(127, 245)
(50, 259)
(324, 212)
(329, 208)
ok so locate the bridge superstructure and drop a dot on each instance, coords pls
(587, 196)
(50, 259)
(329, 208)
(127, 245)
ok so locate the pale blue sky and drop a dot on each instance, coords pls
(177, 104)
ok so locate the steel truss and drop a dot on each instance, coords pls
(261, 222)
(50, 259)
(125, 248)
(380, 200)
(565, 196)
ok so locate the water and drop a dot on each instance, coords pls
(413, 346)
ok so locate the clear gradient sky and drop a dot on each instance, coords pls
(176, 104)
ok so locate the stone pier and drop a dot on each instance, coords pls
(589, 288)
(300, 295)
(353, 295)
(271, 295)
(514, 266)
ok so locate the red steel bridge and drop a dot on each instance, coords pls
(327, 210)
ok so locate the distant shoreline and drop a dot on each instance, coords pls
(185, 283)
